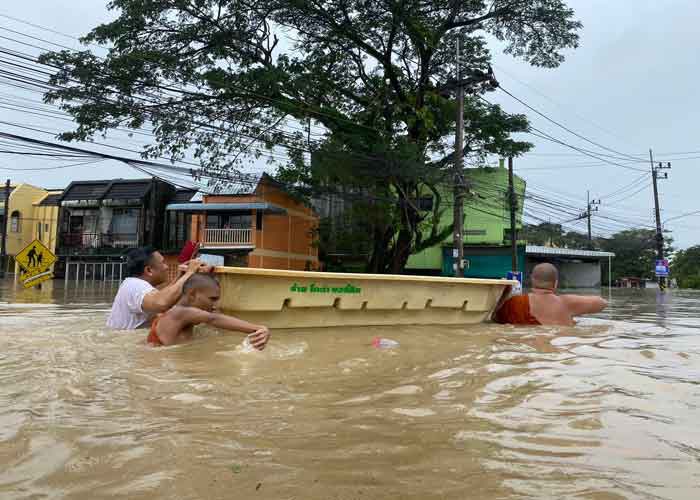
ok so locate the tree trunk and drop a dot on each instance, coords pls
(407, 233)
(402, 251)
(380, 245)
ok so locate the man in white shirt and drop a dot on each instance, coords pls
(138, 299)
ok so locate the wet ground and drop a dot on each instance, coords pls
(608, 409)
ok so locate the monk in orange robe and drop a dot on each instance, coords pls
(200, 295)
(542, 306)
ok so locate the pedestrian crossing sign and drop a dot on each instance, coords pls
(35, 262)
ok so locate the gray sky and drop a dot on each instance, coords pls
(628, 87)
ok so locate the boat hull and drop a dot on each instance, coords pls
(298, 299)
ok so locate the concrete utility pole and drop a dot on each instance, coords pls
(3, 230)
(589, 209)
(458, 209)
(657, 210)
(513, 208)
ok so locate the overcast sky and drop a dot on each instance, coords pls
(629, 87)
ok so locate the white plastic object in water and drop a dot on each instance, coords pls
(381, 343)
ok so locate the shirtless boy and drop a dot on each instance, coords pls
(200, 294)
(542, 306)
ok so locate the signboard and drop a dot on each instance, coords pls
(35, 262)
(211, 260)
(662, 267)
(515, 275)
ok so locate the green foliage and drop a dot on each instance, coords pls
(214, 77)
(634, 249)
(635, 252)
(549, 234)
(686, 267)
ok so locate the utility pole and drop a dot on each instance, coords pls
(3, 230)
(657, 211)
(513, 208)
(589, 209)
(458, 209)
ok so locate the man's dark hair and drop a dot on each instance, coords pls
(137, 259)
(199, 280)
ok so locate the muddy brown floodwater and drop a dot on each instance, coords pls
(608, 409)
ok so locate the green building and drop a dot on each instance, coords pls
(486, 228)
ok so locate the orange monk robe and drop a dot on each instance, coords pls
(153, 338)
(516, 311)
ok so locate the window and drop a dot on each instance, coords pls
(125, 222)
(75, 224)
(475, 232)
(15, 225)
(213, 222)
(39, 227)
(238, 221)
(179, 226)
(226, 221)
(258, 220)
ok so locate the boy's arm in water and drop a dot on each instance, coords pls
(181, 317)
(584, 304)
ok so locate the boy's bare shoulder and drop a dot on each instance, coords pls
(187, 313)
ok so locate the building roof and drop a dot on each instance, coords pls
(243, 187)
(112, 189)
(184, 195)
(566, 252)
(51, 200)
(226, 207)
(128, 189)
(85, 190)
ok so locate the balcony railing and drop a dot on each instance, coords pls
(87, 241)
(228, 237)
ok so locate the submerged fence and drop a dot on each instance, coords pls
(107, 271)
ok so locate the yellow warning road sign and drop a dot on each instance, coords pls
(35, 263)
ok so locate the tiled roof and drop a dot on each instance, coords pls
(112, 189)
(85, 190)
(128, 189)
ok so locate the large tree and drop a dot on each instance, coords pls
(685, 267)
(551, 234)
(635, 252)
(222, 78)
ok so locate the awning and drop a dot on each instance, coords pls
(225, 207)
(566, 252)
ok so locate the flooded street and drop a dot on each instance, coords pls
(608, 409)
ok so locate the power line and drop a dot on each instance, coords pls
(544, 135)
(688, 214)
(71, 165)
(550, 99)
(620, 155)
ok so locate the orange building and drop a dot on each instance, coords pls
(255, 224)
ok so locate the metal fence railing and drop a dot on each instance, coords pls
(232, 237)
